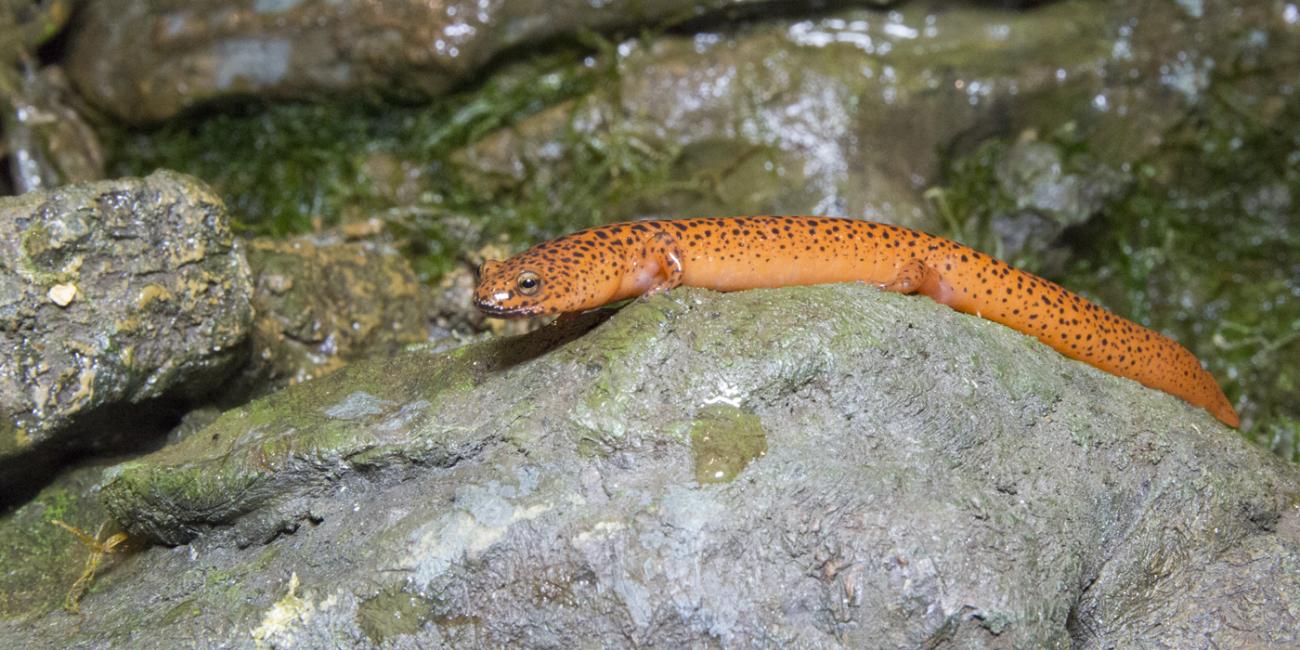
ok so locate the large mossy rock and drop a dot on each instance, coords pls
(124, 303)
(815, 467)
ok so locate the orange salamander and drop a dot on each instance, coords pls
(593, 267)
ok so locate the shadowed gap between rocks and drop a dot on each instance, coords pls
(118, 429)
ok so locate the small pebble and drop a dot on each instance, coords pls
(63, 294)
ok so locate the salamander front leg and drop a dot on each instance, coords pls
(915, 276)
(912, 275)
(661, 251)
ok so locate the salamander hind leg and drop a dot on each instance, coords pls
(662, 251)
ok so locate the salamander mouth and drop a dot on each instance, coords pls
(504, 312)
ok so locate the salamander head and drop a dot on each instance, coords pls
(542, 280)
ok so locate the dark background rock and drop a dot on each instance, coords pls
(1049, 196)
(47, 140)
(321, 302)
(847, 114)
(112, 294)
(44, 141)
(145, 61)
(924, 478)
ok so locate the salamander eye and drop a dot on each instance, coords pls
(528, 283)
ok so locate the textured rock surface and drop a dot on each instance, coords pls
(146, 61)
(321, 302)
(112, 293)
(828, 466)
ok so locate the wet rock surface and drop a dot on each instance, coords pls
(112, 294)
(828, 466)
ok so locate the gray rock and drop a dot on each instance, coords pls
(200, 51)
(112, 293)
(813, 467)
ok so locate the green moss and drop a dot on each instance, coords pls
(278, 168)
(240, 461)
(971, 198)
(1206, 247)
(58, 503)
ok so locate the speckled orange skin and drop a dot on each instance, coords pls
(597, 266)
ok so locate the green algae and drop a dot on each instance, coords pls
(724, 440)
(244, 459)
